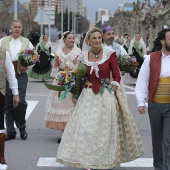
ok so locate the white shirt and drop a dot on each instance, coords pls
(142, 83)
(15, 47)
(10, 74)
(122, 50)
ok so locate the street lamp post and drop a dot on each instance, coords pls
(68, 16)
(78, 26)
(49, 24)
(75, 25)
(61, 17)
(15, 10)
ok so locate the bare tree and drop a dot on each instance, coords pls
(6, 18)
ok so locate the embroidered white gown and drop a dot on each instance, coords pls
(101, 132)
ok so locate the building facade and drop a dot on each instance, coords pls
(100, 12)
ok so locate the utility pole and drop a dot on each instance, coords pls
(62, 17)
(49, 25)
(15, 10)
(68, 16)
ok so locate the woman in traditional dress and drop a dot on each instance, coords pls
(120, 40)
(126, 44)
(57, 112)
(138, 50)
(101, 133)
(42, 69)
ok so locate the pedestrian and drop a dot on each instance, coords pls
(138, 50)
(36, 38)
(126, 43)
(109, 41)
(42, 69)
(57, 112)
(153, 84)
(13, 44)
(101, 133)
(157, 45)
(30, 36)
(6, 71)
(119, 39)
(82, 40)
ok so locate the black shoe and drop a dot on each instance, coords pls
(9, 137)
(23, 134)
(59, 140)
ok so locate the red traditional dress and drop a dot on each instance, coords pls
(101, 132)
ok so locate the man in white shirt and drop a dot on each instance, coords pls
(13, 44)
(6, 71)
(108, 41)
(153, 83)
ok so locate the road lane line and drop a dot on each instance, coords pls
(129, 87)
(132, 93)
(140, 162)
(30, 108)
(33, 94)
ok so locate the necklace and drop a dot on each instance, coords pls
(96, 54)
(68, 49)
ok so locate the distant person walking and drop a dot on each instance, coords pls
(36, 38)
(42, 69)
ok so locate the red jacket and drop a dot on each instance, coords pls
(104, 72)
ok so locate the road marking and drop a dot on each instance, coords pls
(140, 162)
(30, 108)
(133, 93)
(129, 87)
(33, 94)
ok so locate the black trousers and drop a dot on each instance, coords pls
(17, 114)
(159, 114)
(2, 104)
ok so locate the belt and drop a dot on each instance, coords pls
(162, 92)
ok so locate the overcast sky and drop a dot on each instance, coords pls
(92, 5)
(112, 5)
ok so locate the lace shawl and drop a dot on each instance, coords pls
(67, 59)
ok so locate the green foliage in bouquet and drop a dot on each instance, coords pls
(70, 81)
(127, 63)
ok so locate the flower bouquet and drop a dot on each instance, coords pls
(70, 81)
(28, 57)
(127, 63)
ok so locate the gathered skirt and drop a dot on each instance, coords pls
(100, 133)
(57, 112)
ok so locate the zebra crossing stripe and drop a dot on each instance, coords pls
(140, 162)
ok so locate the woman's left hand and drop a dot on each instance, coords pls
(114, 87)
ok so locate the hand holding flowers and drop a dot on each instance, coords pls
(127, 63)
(69, 81)
(26, 57)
